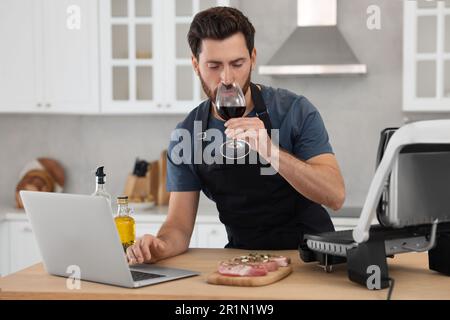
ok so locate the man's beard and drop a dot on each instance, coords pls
(212, 94)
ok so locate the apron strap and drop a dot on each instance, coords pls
(260, 107)
(198, 140)
(203, 114)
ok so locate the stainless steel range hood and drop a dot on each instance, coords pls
(316, 47)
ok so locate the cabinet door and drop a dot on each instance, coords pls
(4, 249)
(183, 87)
(211, 236)
(20, 31)
(147, 228)
(145, 57)
(426, 56)
(23, 248)
(131, 42)
(70, 56)
(193, 243)
(153, 228)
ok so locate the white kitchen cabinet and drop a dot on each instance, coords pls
(131, 57)
(182, 87)
(22, 246)
(71, 56)
(49, 56)
(147, 228)
(145, 57)
(153, 228)
(20, 31)
(4, 249)
(426, 56)
(211, 236)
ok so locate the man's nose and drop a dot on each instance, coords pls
(227, 76)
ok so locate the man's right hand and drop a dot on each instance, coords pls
(146, 249)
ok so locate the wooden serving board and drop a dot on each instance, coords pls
(271, 277)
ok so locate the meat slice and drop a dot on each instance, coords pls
(255, 259)
(241, 269)
(270, 265)
(252, 265)
(282, 261)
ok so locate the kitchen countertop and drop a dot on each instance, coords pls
(413, 280)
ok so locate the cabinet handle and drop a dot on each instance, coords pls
(167, 105)
(48, 105)
(159, 105)
(27, 229)
(38, 104)
(214, 231)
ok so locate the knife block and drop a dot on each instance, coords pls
(138, 188)
(151, 187)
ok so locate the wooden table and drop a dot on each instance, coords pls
(413, 280)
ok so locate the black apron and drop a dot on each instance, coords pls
(259, 211)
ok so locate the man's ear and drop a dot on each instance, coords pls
(253, 58)
(195, 64)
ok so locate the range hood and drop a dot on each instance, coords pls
(316, 46)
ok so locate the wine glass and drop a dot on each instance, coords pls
(230, 103)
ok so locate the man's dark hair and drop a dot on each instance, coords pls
(219, 23)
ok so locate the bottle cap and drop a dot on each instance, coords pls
(122, 200)
(100, 175)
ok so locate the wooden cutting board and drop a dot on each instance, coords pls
(271, 277)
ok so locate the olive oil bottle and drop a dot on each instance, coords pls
(124, 222)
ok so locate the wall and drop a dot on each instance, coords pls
(80, 143)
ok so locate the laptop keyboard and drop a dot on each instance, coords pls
(139, 276)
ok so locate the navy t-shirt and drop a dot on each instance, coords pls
(301, 132)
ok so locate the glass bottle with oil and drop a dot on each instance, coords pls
(124, 222)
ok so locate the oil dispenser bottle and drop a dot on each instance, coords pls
(124, 222)
(100, 189)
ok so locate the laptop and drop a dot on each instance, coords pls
(79, 230)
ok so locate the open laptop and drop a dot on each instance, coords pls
(79, 230)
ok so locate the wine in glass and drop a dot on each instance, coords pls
(230, 103)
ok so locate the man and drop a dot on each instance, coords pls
(259, 211)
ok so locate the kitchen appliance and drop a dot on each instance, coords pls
(78, 232)
(316, 46)
(410, 196)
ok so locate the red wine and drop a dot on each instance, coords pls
(231, 112)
